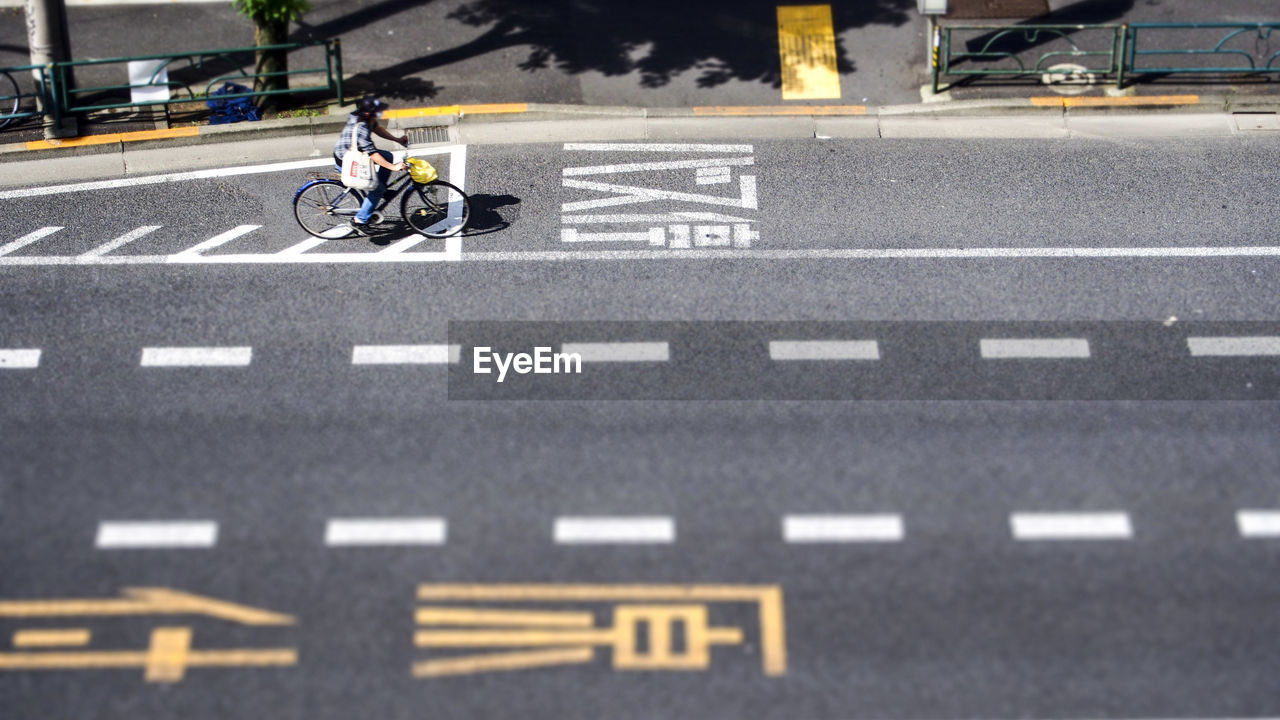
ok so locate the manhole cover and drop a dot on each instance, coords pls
(959, 9)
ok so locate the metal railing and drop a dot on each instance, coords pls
(28, 103)
(187, 77)
(1227, 48)
(973, 52)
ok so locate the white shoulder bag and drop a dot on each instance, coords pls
(357, 172)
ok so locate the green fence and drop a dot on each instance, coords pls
(80, 86)
(21, 88)
(971, 53)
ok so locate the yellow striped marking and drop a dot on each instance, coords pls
(462, 616)
(807, 48)
(799, 110)
(113, 138)
(768, 597)
(1135, 101)
(61, 637)
(490, 662)
(481, 109)
(168, 654)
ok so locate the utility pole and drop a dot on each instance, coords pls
(49, 42)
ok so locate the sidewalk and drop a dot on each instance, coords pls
(882, 63)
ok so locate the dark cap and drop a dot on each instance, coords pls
(370, 105)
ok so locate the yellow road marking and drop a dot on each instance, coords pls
(62, 637)
(807, 49)
(483, 108)
(113, 138)
(168, 654)
(107, 659)
(767, 597)
(463, 616)
(490, 662)
(512, 638)
(145, 601)
(1137, 100)
(780, 110)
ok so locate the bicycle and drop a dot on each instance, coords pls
(9, 98)
(324, 207)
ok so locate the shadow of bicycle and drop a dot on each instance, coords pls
(491, 213)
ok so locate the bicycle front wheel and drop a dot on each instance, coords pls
(436, 209)
(325, 208)
(9, 97)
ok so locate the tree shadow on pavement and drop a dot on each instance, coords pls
(722, 40)
(1085, 12)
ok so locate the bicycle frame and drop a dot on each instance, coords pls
(395, 186)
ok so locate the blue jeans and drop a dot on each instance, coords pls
(374, 194)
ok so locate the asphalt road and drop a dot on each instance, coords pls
(931, 600)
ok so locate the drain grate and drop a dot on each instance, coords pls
(428, 135)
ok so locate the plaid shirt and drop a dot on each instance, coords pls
(354, 133)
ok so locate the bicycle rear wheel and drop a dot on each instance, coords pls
(325, 208)
(436, 209)
(9, 97)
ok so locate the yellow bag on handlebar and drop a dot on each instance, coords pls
(421, 171)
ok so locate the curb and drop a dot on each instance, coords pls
(497, 123)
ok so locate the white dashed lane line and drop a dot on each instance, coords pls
(842, 528)
(156, 534)
(1071, 526)
(196, 356)
(1234, 346)
(1259, 523)
(19, 358)
(406, 354)
(824, 350)
(385, 531)
(614, 530)
(1033, 348)
(620, 351)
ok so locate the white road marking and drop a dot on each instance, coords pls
(385, 531)
(1071, 526)
(614, 530)
(165, 178)
(457, 174)
(1035, 348)
(19, 358)
(308, 244)
(870, 254)
(29, 238)
(453, 253)
(216, 240)
(406, 354)
(698, 163)
(657, 147)
(824, 350)
(1259, 523)
(841, 528)
(671, 217)
(120, 241)
(633, 194)
(1233, 346)
(196, 356)
(620, 351)
(157, 534)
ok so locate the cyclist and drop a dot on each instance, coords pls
(360, 124)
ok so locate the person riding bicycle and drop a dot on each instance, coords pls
(360, 125)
